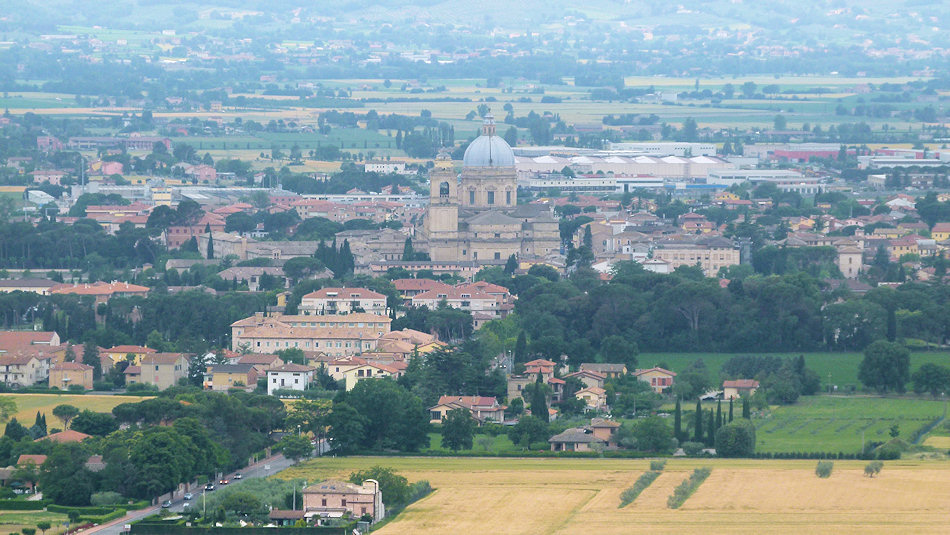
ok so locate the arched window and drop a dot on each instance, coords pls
(444, 190)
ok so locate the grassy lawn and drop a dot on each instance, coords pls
(13, 521)
(494, 444)
(842, 368)
(28, 404)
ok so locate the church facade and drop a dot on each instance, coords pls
(475, 217)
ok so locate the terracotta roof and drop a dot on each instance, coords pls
(99, 288)
(421, 285)
(453, 292)
(14, 340)
(469, 401)
(600, 422)
(588, 373)
(133, 370)
(130, 349)
(596, 390)
(344, 293)
(72, 366)
(27, 458)
(655, 369)
(286, 514)
(66, 436)
(258, 358)
(741, 383)
(575, 435)
(162, 358)
(485, 287)
(291, 367)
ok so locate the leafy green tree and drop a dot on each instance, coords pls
(64, 478)
(886, 366)
(7, 408)
(295, 447)
(736, 439)
(346, 427)
(932, 378)
(528, 430)
(521, 348)
(653, 434)
(43, 525)
(15, 431)
(511, 265)
(94, 423)
(395, 488)
(90, 357)
(393, 417)
(243, 503)
(458, 430)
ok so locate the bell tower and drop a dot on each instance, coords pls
(442, 219)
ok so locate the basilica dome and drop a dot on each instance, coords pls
(489, 150)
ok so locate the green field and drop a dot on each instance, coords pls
(839, 369)
(12, 522)
(838, 424)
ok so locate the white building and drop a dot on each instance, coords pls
(289, 376)
(783, 179)
(342, 301)
(384, 167)
(666, 148)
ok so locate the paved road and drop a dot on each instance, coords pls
(262, 468)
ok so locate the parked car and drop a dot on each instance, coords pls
(188, 496)
(209, 487)
(238, 476)
(223, 481)
(166, 504)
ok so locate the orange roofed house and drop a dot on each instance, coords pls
(482, 408)
(101, 291)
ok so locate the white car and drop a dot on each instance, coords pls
(188, 496)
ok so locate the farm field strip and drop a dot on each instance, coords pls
(29, 404)
(567, 496)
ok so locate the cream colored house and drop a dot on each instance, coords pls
(710, 253)
(66, 374)
(593, 397)
(367, 371)
(342, 301)
(658, 378)
(120, 353)
(24, 369)
(335, 335)
(163, 369)
(738, 388)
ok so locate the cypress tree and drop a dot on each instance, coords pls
(511, 265)
(347, 262)
(710, 429)
(210, 247)
(521, 348)
(407, 252)
(588, 238)
(730, 410)
(677, 421)
(698, 423)
(746, 413)
(539, 402)
(718, 414)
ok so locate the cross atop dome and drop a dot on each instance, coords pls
(488, 127)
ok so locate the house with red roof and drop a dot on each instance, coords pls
(67, 374)
(65, 436)
(482, 408)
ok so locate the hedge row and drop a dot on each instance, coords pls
(89, 510)
(644, 481)
(688, 487)
(102, 519)
(23, 505)
(616, 454)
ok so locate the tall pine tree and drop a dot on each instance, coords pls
(710, 429)
(730, 410)
(539, 402)
(718, 414)
(210, 246)
(678, 421)
(90, 357)
(698, 423)
(746, 413)
(521, 348)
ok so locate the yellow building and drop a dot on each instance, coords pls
(940, 232)
(66, 374)
(223, 377)
(126, 352)
(658, 378)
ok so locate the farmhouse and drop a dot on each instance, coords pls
(658, 378)
(223, 377)
(609, 370)
(333, 499)
(595, 398)
(66, 374)
(482, 408)
(163, 369)
(289, 377)
(576, 439)
(739, 388)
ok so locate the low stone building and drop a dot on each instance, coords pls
(334, 499)
(66, 374)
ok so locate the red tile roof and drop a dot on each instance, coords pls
(66, 436)
(741, 383)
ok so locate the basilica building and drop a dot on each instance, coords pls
(474, 216)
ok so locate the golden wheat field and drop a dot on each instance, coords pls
(581, 496)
